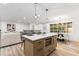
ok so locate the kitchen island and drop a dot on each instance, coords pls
(39, 45)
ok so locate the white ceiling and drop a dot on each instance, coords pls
(15, 12)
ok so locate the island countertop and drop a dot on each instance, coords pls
(37, 37)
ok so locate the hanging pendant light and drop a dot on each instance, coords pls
(46, 13)
(46, 17)
(36, 15)
(35, 10)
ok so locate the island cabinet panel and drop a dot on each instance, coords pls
(28, 48)
(40, 47)
(39, 43)
(38, 51)
(48, 48)
(54, 41)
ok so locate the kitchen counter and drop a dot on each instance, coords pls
(39, 45)
(37, 37)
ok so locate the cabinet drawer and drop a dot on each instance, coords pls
(38, 51)
(48, 50)
(39, 43)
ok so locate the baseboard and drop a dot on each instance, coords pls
(11, 45)
(66, 40)
(73, 40)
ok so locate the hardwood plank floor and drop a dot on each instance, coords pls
(63, 49)
(67, 49)
(14, 50)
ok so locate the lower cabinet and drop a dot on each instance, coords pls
(48, 50)
(38, 52)
(54, 42)
(39, 47)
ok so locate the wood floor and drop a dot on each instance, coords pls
(66, 49)
(63, 49)
(15, 50)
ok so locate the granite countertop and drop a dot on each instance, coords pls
(37, 37)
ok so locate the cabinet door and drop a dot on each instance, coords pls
(48, 47)
(28, 48)
(38, 51)
(48, 50)
(39, 47)
(39, 43)
(54, 42)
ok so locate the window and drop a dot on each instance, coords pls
(60, 27)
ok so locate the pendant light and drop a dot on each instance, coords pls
(36, 15)
(46, 12)
(35, 10)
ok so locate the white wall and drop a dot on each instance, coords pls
(0, 25)
(19, 26)
(75, 34)
(36, 27)
(43, 27)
